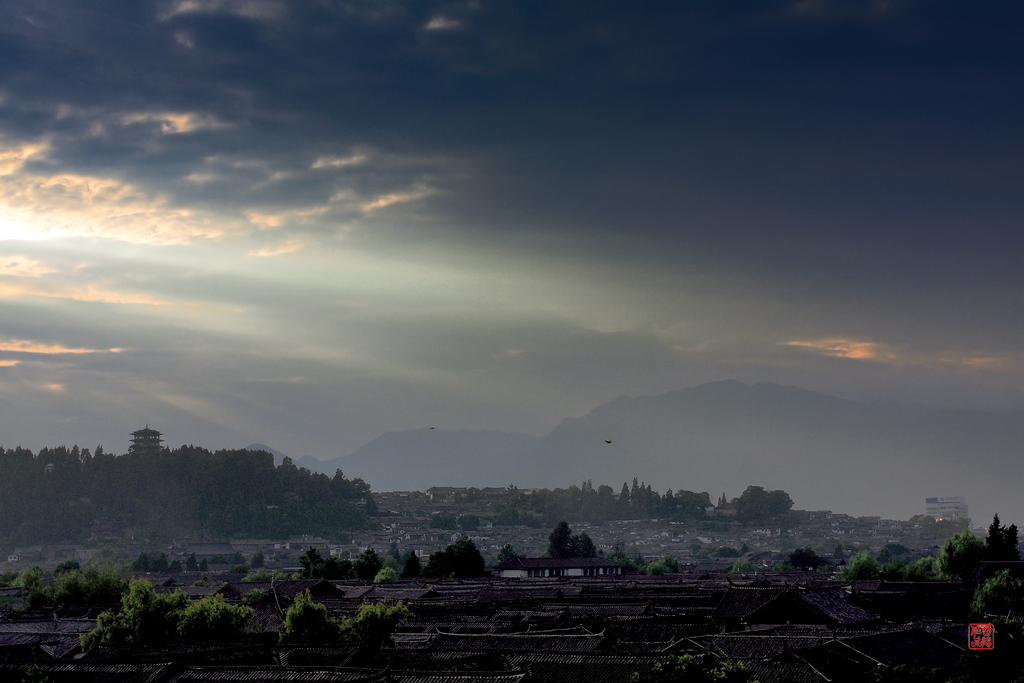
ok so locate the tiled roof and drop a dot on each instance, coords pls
(557, 563)
(546, 641)
(739, 601)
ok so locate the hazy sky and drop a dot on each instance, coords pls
(309, 222)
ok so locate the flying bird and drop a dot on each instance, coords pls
(607, 440)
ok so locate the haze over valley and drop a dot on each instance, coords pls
(828, 453)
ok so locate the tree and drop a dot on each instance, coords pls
(141, 564)
(386, 575)
(998, 596)
(960, 556)
(312, 565)
(892, 551)
(691, 669)
(861, 567)
(757, 504)
(563, 543)
(560, 541)
(411, 568)
(508, 553)
(460, 559)
(1001, 543)
(666, 564)
(257, 562)
(374, 625)
(307, 621)
(144, 620)
(742, 566)
(213, 620)
(469, 522)
(91, 587)
(805, 559)
(67, 566)
(368, 564)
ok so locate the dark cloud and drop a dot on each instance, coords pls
(518, 210)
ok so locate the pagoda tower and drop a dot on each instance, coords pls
(146, 441)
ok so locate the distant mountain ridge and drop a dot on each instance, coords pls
(827, 452)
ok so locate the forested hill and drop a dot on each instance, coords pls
(63, 494)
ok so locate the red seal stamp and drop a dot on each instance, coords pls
(981, 636)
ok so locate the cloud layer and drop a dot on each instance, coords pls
(307, 223)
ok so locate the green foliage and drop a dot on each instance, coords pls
(257, 562)
(368, 564)
(725, 551)
(507, 553)
(307, 621)
(666, 564)
(144, 620)
(386, 575)
(923, 570)
(469, 522)
(460, 559)
(8, 578)
(150, 620)
(312, 565)
(35, 590)
(213, 620)
(67, 566)
(861, 567)
(89, 587)
(34, 674)
(444, 520)
(743, 566)
(892, 551)
(756, 504)
(960, 556)
(691, 669)
(170, 494)
(998, 596)
(563, 543)
(1001, 543)
(374, 625)
(411, 568)
(805, 559)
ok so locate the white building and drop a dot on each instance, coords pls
(947, 507)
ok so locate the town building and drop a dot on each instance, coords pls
(947, 507)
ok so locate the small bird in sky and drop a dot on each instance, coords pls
(431, 427)
(607, 440)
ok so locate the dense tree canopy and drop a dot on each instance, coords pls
(756, 504)
(563, 543)
(960, 556)
(150, 620)
(170, 494)
(460, 559)
(1001, 543)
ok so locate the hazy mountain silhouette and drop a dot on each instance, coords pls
(826, 452)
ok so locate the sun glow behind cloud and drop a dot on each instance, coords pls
(29, 346)
(37, 206)
(845, 348)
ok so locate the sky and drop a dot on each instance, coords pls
(306, 223)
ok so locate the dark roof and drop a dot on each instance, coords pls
(557, 563)
(739, 601)
(545, 641)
